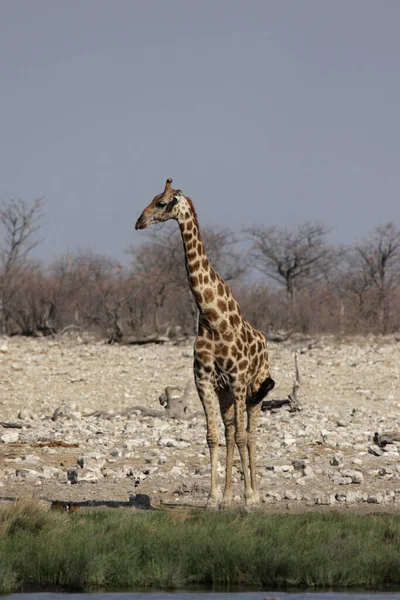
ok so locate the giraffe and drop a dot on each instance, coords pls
(230, 356)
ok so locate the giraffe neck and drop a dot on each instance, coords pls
(201, 275)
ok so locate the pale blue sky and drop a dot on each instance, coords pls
(264, 112)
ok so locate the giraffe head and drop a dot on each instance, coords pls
(163, 207)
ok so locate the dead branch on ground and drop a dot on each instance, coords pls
(382, 439)
(292, 400)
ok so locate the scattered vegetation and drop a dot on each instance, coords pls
(304, 283)
(169, 550)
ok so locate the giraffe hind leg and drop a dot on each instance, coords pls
(267, 385)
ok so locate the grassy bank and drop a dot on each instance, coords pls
(126, 550)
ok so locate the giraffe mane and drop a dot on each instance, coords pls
(193, 212)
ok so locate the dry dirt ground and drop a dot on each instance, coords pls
(322, 457)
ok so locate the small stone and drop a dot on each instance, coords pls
(87, 476)
(26, 473)
(288, 495)
(176, 471)
(375, 499)
(336, 460)
(356, 476)
(288, 441)
(340, 480)
(10, 437)
(168, 442)
(72, 476)
(324, 499)
(299, 464)
(141, 501)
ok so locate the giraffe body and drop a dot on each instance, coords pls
(230, 356)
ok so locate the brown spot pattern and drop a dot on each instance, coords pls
(204, 356)
(243, 364)
(224, 326)
(211, 314)
(229, 364)
(223, 351)
(208, 294)
(232, 304)
(234, 320)
(228, 336)
(222, 305)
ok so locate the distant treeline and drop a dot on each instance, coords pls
(306, 284)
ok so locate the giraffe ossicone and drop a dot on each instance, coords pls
(230, 356)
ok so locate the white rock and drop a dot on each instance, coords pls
(355, 475)
(324, 499)
(10, 437)
(375, 499)
(340, 480)
(308, 472)
(177, 471)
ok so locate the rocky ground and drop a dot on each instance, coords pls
(322, 456)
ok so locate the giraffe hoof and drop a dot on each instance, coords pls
(212, 504)
(252, 502)
(225, 504)
(211, 507)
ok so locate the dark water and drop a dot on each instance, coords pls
(209, 596)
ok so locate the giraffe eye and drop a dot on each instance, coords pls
(161, 204)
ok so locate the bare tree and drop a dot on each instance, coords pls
(378, 260)
(92, 290)
(19, 223)
(294, 259)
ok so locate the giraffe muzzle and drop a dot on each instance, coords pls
(141, 223)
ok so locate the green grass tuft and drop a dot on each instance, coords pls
(169, 550)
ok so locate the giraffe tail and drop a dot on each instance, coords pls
(266, 386)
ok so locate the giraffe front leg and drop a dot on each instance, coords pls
(253, 412)
(239, 395)
(262, 386)
(228, 416)
(206, 393)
